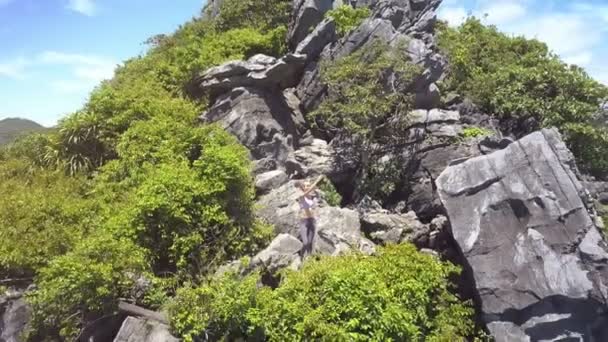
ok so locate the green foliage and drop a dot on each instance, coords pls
(220, 308)
(263, 15)
(348, 18)
(83, 285)
(358, 100)
(475, 132)
(188, 198)
(330, 194)
(514, 77)
(153, 86)
(42, 215)
(589, 143)
(399, 295)
(31, 148)
(177, 65)
(363, 103)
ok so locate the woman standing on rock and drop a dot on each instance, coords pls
(308, 223)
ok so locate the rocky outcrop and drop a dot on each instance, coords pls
(339, 229)
(306, 15)
(314, 43)
(398, 24)
(261, 120)
(259, 71)
(282, 252)
(143, 330)
(537, 260)
(14, 315)
(385, 227)
(270, 180)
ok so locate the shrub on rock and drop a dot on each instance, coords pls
(400, 294)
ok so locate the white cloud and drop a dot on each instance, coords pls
(86, 7)
(581, 59)
(453, 15)
(87, 70)
(83, 71)
(55, 57)
(576, 31)
(567, 34)
(502, 12)
(13, 69)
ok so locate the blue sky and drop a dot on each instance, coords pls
(54, 52)
(575, 30)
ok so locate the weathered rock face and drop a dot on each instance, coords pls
(306, 15)
(14, 316)
(537, 259)
(339, 229)
(261, 120)
(259, 71)
(314, 43)
(438, 143)
(282, 252)
(141, 330)
(270, 180)
(385, 227)
(397, 23)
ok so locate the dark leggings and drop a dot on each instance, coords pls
(307, 234)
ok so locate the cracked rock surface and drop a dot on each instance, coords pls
(537, 259)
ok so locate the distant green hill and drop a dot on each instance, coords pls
(11, 128)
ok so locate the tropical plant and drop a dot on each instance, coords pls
(518, 78)
(399, 295)
(347, 18)
(368, 99)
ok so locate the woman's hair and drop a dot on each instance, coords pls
(301, 184)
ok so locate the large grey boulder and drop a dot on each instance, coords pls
(259, 71)
(315, 42)
(261, 120)
(317, 158)
(142, 330)
(270, 180)
(306, 15)
(538, 261)
(339, 229)
(385, 227)
(282, 252)
(14, 316)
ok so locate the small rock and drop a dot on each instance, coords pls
(15, 315)
(270, 180)
(141, 330)
(281, 253)
(314, 43)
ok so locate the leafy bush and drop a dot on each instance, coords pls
(330, 194)
(42, 215)
(83, 285)
(474, 132)
(521, 78)
(151, 87)
(368, 94)
(190, 195)
(218, 309)
(31, 148)
(264, 15)
(400, 294)
(348, 18)
(176, 66)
